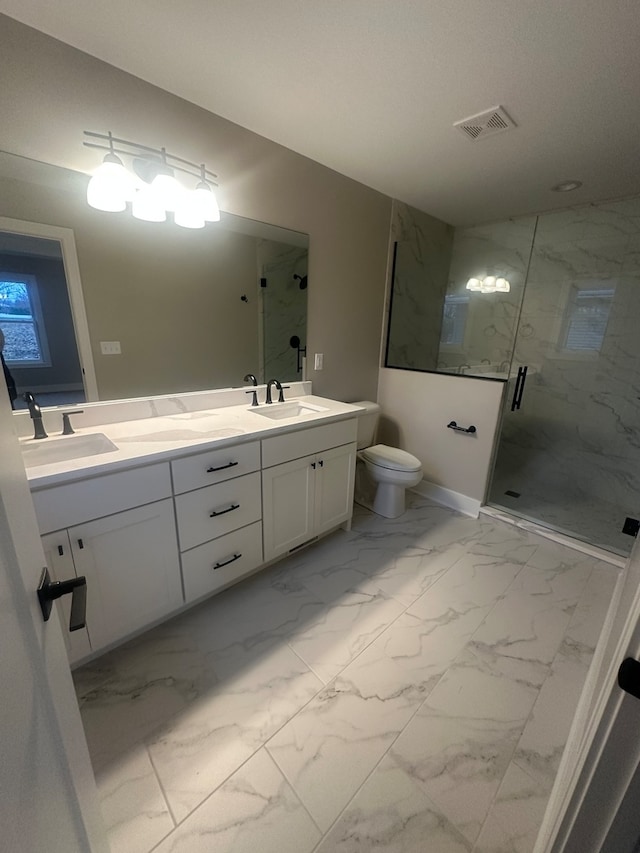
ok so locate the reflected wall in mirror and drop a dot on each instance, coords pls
(186, 306)
(435, 322)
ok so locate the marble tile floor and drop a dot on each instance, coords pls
(595, 521)
(404, 686)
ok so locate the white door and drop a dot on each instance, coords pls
(48, 800)
(602, 755)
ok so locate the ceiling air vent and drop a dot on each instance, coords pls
(484, 124)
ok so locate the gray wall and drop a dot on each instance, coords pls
(52, 92)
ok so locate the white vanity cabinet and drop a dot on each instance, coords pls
(129, 558)
(151, 538)
(218, 513)
(312, 492)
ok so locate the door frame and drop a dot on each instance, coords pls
(66, 238)
(599, 761)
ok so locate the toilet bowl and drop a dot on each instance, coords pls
(383, 474)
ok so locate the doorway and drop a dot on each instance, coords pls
(42, 314)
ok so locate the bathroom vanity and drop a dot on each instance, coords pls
(186, 504)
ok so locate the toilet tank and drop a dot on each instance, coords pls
(367, 423)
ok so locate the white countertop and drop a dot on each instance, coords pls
(141, 442)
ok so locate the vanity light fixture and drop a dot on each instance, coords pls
(489, 284)
(151, 187)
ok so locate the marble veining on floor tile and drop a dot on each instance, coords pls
(404, 686)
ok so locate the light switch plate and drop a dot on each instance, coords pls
(110, 347)
(317, 361)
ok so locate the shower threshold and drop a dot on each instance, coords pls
(567, 538)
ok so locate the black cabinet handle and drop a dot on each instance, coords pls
(224, 511)
(227, 562)
(60, 550)
(321, 463)
(49, 591)
(519, 389)
(80, 544)
(313, 465)
(221, 467)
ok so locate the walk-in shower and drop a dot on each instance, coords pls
(569, 450)
(563, 336)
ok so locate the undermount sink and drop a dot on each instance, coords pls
(294, 409)
(48, 451)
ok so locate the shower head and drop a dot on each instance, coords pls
(302, 279)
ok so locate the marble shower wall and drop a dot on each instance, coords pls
(283, 307)
(577, 434)
(420, 281)
(501, 249)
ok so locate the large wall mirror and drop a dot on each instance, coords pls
(167, 309)
(438, 324)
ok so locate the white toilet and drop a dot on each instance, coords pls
(382, 473)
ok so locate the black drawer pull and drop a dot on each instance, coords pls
(313, 465)
(60, 550)
(223, 511)
(321, 463)
(221, 467)
(227, 562)
(80, 544)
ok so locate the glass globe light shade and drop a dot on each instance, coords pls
(168, 191)
(189, 213)
(147, 206)
(502, 285)
(473, 284)
(111, 186)
(206, 198)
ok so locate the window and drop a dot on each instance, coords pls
(454, 320)
(21, 322)
(587, 318)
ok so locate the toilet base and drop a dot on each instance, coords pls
(389, 500)
(385, 499)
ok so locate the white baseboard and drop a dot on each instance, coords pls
(447, 497)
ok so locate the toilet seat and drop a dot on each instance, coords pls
(391, 457)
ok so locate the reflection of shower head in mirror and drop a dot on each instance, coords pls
(302, 279)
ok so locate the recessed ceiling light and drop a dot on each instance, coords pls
(566, 186)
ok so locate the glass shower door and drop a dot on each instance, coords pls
(569, 452)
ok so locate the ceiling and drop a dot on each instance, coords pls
(371, 88)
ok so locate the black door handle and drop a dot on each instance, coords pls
(629, 677)
(49, 591)
(519, 389)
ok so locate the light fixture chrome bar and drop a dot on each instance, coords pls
(144, 150)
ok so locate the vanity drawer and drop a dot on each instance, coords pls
(84, 500)
(214, 466)
(295, 445)
(222, 561)
(237, 503)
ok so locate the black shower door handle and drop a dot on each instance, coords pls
(519, 389)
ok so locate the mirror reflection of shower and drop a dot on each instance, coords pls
(282, 271)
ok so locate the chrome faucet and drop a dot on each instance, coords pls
(279, 387)
(35, 414)
(251, 378)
